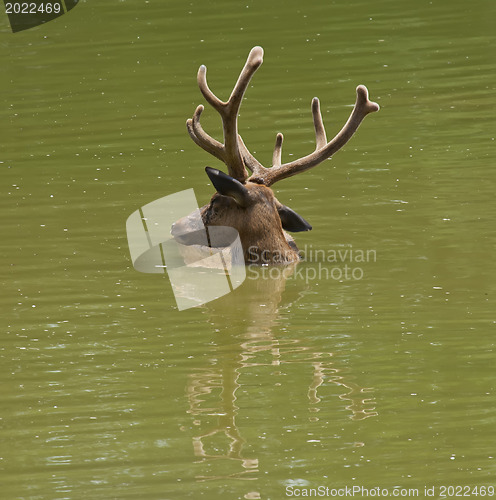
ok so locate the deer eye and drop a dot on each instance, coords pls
(214, 209)
(217, 204)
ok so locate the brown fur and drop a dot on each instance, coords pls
(259, 225)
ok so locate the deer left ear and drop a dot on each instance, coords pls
(228, 186)
(291, 221)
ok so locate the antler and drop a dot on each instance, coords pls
(235, 154)
(230, 151)
(323, 149)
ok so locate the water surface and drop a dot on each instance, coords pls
(297, 380)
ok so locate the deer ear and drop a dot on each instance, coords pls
(291, 221)
(228, 186)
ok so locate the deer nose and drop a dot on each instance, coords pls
(189, 230)
(187, 224)
(180, 231)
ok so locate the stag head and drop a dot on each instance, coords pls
(246, 202)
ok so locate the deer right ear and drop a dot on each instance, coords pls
(228, 186)
(291, 221)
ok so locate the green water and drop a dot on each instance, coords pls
(292, 381)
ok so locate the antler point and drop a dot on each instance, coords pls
(198, 111)
(363, 95)
(257, 50)
(202, 71)
(256, 56)
(363, 90)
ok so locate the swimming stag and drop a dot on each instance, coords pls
(245, 201)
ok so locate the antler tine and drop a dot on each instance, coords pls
(253, 62)
(201, 138)
(229, 152)
(250, 161)
(324, 149)
(211, 98)
(276, 156)
(320, 133)
(258, 170)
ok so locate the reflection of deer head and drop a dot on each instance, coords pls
(247, 345)
(247, 203)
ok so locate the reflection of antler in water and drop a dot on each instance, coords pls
(360, 407)
(201, 385)
(245, 320)
(323, 369)
(257, 302)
